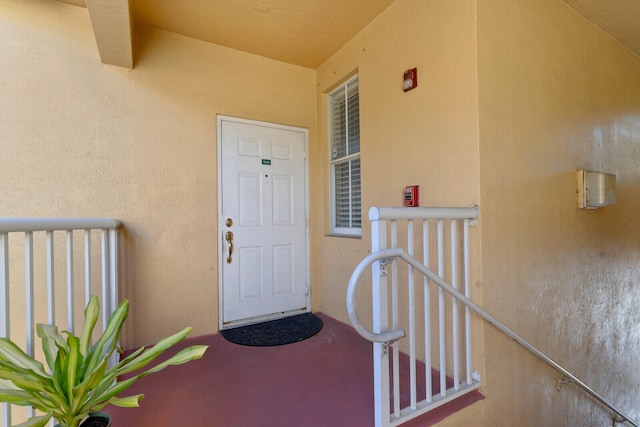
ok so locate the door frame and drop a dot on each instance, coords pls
(220, 230)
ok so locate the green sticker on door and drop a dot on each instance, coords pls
(266, 162)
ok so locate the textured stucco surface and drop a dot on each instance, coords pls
(425, 137)
(513, 97)
(556, 94)
(81, 139)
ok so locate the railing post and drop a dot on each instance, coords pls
(467, 293)
(106, 307)
(442, 330)
(110, 298)
(51, 290)
(87, 266)
(70, 290)
(113, 265)
(380, 324)
(4, 310)
(427, 313)
(28, 295)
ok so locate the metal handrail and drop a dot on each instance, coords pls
(389, 255)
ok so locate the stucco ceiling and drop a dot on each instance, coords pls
(302, 32)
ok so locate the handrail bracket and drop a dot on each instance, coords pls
(383, 265)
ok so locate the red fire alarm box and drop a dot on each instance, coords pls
(411, 195)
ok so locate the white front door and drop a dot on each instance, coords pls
(263, 221)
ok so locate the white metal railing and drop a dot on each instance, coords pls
(41, 279)
(443, 336)
(380, 259)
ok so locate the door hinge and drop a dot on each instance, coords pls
(306, 290)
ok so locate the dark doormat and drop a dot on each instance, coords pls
(275, 332)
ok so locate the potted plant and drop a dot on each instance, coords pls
(79, 381)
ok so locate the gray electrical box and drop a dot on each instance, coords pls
(596, 189)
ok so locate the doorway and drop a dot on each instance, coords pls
(263, 251)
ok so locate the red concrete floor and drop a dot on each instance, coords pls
(324, 381)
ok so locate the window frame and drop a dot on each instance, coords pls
(348, 158)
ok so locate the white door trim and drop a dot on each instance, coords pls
(219, 119)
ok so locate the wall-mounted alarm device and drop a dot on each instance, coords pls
(411, 194)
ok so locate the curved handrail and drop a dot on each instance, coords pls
(385, 337)
(392, 336)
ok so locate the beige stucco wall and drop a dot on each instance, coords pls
(513, 97)
(81, 139)
(426, 137)
(556, 94)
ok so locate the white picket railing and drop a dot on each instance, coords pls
(27, 266)
(443, 337)
(448, 340)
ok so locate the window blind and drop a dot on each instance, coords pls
(345, 159)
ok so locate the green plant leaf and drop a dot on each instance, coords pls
(35, 421)
(190, 353)
(107, 342)
(74, 361)
(91, 314)
(131, 356)
(51, 340)
(127, 402)
(14, 354)
(7, 384)
(16, 397)
(60, 375)
(104, 392)
(25, 379)
(150, 354)
(91, 382)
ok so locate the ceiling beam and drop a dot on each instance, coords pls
(112, 23)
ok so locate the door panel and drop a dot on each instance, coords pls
(263, 194)
(250, 203)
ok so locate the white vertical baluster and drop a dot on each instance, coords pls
(412, 320)
(105, 279)
(395, 325)
(4, 310)
(427, 312)
(4, 286)
(87, 266)
(110, 299)
(28, 282)
(113, 265)
(442, 331)
(467, 293)
(51, 293)
(28, 290)
(70, 293)
(454, 304)
(380, 324)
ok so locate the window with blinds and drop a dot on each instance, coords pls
(344, 116)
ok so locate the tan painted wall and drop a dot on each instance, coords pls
(425, 137)
(82, 139)
(551, 94)
(556, 94)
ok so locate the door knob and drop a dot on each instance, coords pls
(228, 236)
